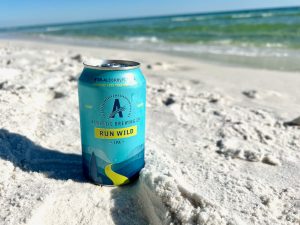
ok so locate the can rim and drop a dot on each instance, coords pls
(97, 64)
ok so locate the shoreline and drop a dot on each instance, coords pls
(233, 80)
(252, 57)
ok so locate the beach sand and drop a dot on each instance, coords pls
(218, 149)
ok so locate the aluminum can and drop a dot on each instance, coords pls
(112, 103)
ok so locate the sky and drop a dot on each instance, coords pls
(31, 12)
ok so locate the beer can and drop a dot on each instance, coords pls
(112, 103)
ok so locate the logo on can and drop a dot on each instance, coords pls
(120, 106)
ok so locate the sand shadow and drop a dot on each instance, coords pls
(30, 157)
(127, 206)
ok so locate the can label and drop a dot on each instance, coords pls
(115, 133)
(112, 118)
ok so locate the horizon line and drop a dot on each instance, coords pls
(144, 17)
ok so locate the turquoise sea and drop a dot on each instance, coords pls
(266, 38)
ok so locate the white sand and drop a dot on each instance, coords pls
(219, 154)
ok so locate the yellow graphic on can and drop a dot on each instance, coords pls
(116, 178)
(126, 132)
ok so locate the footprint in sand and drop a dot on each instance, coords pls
(252, 94)
(58, 94)
(169, 101)
(160, 66)
(77, 58)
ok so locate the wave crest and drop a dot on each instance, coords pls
(143, 39)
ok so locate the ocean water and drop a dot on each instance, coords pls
(268, 38)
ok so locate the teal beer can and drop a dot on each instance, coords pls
(112, 103)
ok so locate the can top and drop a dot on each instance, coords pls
(109, 64)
